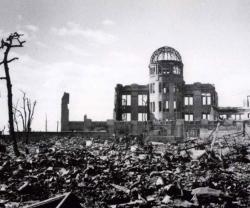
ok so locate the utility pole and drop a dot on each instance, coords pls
(57, 125)
(46, 123)
(248, 104)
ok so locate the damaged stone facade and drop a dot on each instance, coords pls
(131, 103)
(166, 97)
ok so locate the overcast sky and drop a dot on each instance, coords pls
(87, 47)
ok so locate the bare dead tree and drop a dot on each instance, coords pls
(13, 41)
(26, 114)
(15, 116)
(28, 109)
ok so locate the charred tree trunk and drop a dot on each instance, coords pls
(10, 104)
(12, 41)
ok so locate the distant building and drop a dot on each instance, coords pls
(230, 113)
(85, 125)
(166, 97)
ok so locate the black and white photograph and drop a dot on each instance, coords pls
(124, 103)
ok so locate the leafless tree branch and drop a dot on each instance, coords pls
(15, 110)
(13, 59)
(26, 113)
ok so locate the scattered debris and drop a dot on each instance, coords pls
(113, 175)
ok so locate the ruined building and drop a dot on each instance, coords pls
(166, 97)
(165, 100)
(85, 125)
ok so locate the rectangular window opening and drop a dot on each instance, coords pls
(126, 117)
(142, 117)
(188, 100)
(166, 104)
(189, 117)
(206, 98)
(205, 116)
(142, 100)
(126, 100)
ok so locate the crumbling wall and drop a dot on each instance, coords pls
(65, 112)
(132, 127)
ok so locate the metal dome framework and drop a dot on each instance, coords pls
(165, 53)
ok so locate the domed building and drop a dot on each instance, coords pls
(165, 101)
(166, 84)
(166, 97)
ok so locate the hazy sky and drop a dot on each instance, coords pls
(87, 47)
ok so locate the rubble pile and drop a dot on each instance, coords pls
(121, 175)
